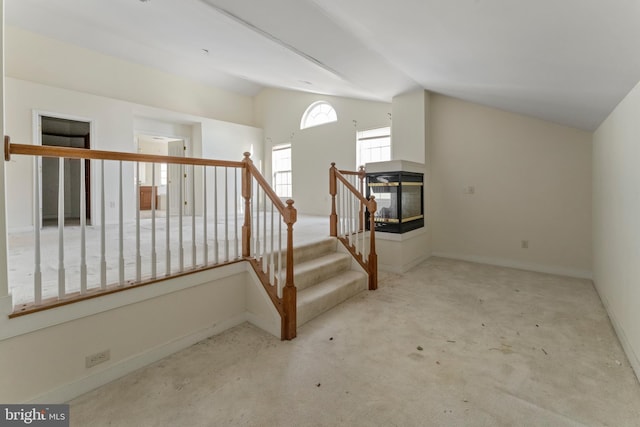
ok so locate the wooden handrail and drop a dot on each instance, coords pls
(286, 305)
(371, 263)
(340, 176)
(81, 153)
(253, 170)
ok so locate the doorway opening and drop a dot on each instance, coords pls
(154, 180)
(59, 132)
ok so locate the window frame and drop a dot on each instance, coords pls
(308, 118)
(370, 135)
(276, 171)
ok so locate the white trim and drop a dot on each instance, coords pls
(310, 108)
(399, 237)
(502, 262)
(633, 358)
(21, 229)
(36, 127)
(404, 267)
(117, 370)
(32, 322)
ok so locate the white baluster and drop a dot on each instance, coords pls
(350, 214)
(121, 228)
(235, 205)
(83, 225)
(103, 249)
(342, 212)
(168, 223)
(226, 214)
(280, 281)
(193, 216)
(138, 254)
(180, 209)
(37, 274)
(153, 221)
(61, 271)
(204, 215)
(215, 215)
(264, 232)
(257, 217)
(272, 238)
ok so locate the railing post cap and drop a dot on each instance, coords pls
(289, 202)
(333, 164)
(246, 154)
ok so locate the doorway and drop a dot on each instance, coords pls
(165, 177)
(60, 132)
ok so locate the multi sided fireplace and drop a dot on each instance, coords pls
(399, 196)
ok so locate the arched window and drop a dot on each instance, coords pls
(318, 113)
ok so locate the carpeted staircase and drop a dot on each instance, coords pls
(324, 278)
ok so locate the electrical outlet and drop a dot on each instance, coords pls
(97, 358)
(524, 244)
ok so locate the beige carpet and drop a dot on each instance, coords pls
(449, 343)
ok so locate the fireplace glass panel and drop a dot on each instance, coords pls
(399, 197)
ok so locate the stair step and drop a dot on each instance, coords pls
(314, 250)
(314, 271)
(317, 299)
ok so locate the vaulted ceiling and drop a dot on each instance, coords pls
(567, 61)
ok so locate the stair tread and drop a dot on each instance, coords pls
(320, 261)
(327, 294)
(313, 250)
(335, 282)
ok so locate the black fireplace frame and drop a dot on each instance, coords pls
(398, 181)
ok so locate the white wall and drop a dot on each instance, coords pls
(113, 129)
(532, 182)
(409, 128)
(47, 364)
(36, 58)
(410, 141)
(279, 113)
(616, 228)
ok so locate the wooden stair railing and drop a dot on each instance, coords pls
(286, 303)
(347, 219)
(281, 291)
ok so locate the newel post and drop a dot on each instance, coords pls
(333, 190)
(289, 294)
(246, 194)
(373, 256)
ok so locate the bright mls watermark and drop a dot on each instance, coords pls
(34, 415)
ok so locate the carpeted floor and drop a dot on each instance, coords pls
(449, 343)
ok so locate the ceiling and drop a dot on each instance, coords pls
(566, 61)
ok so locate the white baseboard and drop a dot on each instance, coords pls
(23, 229)
(123, 367)
(402, 268)
(501, 262)
(622, 337)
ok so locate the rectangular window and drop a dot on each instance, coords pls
(373, 145)
(281, 167)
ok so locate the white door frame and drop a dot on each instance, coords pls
(187, 152)
(37, 140)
